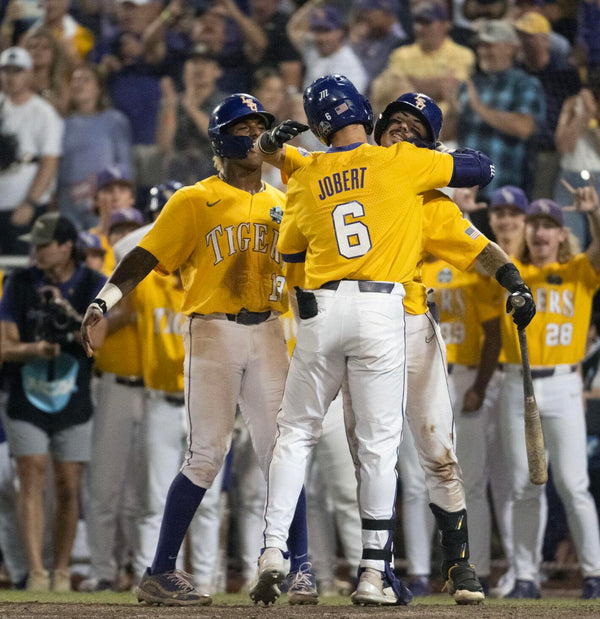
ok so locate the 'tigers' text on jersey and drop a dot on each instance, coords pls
(242, 237)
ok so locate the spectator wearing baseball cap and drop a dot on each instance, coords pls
(434, 64)
(320, 34)
(515, 107)
(47, 376)
(123, 221)
(508, 207)
(560, 80)
(375, 32)
(30, 148)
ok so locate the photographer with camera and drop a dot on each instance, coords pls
(30, 145)
(48, 415)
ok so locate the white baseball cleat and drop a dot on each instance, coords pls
(371, 590)
(272, 569)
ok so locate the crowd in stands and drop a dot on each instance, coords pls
(103, 101)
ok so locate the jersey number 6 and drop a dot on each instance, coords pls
(352, 237)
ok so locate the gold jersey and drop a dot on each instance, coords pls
(448, 236)
(464, 300)
(157, 300)
(120, 351)
(356, 212)
(563, 297)
(224, 241)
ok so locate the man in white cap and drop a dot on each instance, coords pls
(30, 144)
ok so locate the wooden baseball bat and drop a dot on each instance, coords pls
(534, 437)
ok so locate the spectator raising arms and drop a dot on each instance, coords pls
(96, 137)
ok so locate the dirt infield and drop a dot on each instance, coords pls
(441, 608)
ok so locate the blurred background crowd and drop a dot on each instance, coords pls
(104, 110)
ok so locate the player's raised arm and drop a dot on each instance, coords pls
(128, 274)
(271, 144)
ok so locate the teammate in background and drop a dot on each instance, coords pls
(342, 118)
(507, 209)
(114, 479)
(563, 284)
(92, 251)
(415, 117)
(221, 233)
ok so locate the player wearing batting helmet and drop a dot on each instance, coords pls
(462, 581)
(221, 236)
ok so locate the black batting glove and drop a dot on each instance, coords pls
(272, 140)
(521, 304)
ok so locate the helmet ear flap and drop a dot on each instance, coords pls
(231, 109)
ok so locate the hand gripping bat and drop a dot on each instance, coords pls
(534, 438)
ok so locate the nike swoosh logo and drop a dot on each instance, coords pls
(428, 339)
(212, 203)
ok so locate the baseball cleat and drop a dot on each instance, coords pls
(463, 586)
(302, 588)
(591, 588)
(524, 590)
(170, 589)
(271, 572)
(374, 589)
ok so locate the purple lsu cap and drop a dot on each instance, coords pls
(326, 18)
(126, 216)
(509, 195)
(546, 208)
(117, 173)
(88, 241)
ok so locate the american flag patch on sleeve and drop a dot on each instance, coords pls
(472, 232)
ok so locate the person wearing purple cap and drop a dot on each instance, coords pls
(90, 246)
(434, 64)
(563, 283)
(319, 32)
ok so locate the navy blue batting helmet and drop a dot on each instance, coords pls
(332, 103)
(423, 107)
(231, 109)
(160, 194)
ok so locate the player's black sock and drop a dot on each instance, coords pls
(454, 537)
(298, 539)
(183, 499)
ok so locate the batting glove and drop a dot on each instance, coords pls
(521, 304)
(272, 140)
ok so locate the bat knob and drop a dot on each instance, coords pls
(517, 300)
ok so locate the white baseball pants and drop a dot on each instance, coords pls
(363, 334)
(560, 400)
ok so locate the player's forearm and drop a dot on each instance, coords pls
(129, 273)
(490, 351)
(491, 258)
(276, 159)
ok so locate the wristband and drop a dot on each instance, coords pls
(269, 147)
(100, 303)
(508, 277)
(108, 297)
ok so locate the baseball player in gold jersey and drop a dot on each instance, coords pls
(163, 431)
(467, 243)
(350, 250)
(222, 235)
(563, 284)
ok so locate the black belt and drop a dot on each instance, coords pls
(174, 400)
(248, 318)
(546, 372)
(363, 285)
(129, 381)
